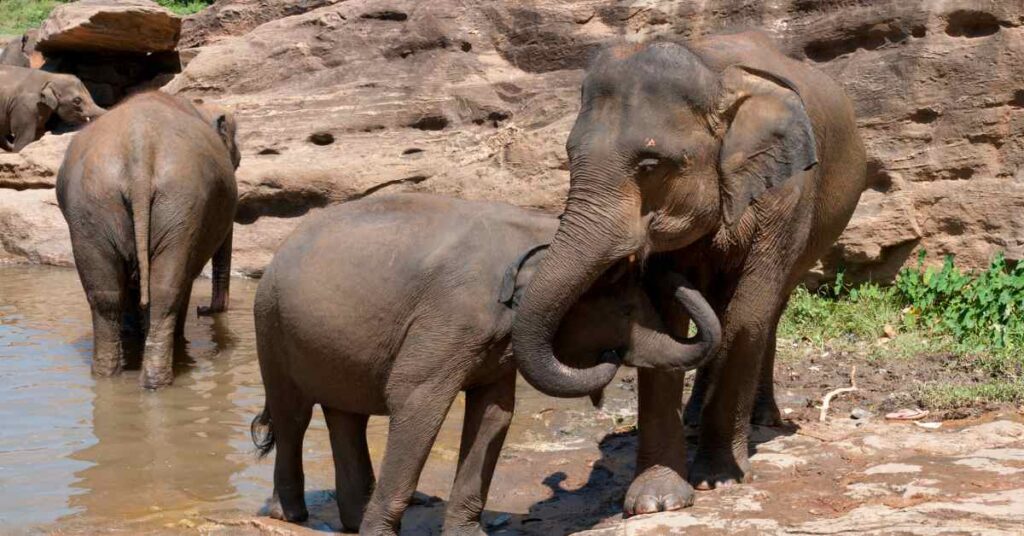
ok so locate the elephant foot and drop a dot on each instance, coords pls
(153, 379)
(766, 413)
(719, 468)
(210, 310)
(658, 489)
(105, 368)
(298, 514)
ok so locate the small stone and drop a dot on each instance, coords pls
(860, 414)
(499, 521)
(889, 331)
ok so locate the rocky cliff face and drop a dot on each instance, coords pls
(342, 99)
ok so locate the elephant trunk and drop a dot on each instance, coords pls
(562, 277)
(654, 347)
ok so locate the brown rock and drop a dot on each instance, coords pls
(109, 26)
(339, 100)
(236, 17)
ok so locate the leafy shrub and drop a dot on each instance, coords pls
(840, 311)
(982, 311)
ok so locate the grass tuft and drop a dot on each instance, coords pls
(16, 16)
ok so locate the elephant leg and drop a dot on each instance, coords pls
(290, 413)
(104, 279)
(221, 279)
(168, 283)
(766, 411)
(488, 415)
(25, 125)
(179, 325)
(418, 404)
(353, 470)
(660, 482)
(695, 405)
(722, 457)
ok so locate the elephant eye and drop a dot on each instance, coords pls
(77, 100)
(647, 165)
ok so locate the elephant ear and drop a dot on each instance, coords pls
(48, 96)
(518, 274)
(769, 137)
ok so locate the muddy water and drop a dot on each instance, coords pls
(79, 453)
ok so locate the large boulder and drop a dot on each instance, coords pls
(116, 47)
(138, 26)
(339, 100)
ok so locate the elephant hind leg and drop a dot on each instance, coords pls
(766, 411)
(290, 413)
(353, 469)
(104, 278)
(169, 285)
(488, 415)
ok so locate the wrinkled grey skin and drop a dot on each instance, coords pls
(390, 306)
(149, 194)
(737, 165)
(29, 96)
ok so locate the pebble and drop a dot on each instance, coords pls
(860, 414)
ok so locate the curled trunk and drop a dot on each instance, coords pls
(654, 347)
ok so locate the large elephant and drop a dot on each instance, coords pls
(28, 97)
(737, 165)
(392, 305)
(149, 194)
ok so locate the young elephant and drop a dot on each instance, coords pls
(391, 306)
(149, 194)
(29, 96)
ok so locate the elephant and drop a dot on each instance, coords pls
(390, 305)
(18, 51)
(149, 195)
(28, 97)
(739, 167)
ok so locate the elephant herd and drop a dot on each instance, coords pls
(705, 179)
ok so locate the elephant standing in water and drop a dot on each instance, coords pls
(149, 194)
(738, 166)
(391, 306)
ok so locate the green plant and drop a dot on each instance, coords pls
(840, 312)
(982, 311)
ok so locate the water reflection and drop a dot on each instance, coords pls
(79, 455)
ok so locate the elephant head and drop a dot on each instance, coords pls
(665, 150)
(223, 122)
(67, 95)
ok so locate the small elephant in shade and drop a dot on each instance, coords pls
(28, 97)
(149, 194)
(392, 305)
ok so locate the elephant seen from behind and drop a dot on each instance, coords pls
(149, 195)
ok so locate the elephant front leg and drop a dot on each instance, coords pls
(722, 457)
(221, 279)
(26, 126)
(660, 482)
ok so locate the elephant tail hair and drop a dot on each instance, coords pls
(262, 431)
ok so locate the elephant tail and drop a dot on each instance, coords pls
(142, 199)
(262, 431)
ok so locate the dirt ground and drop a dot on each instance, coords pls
(962, 472)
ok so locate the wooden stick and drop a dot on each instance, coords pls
(828, 396)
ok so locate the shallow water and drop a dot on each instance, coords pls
(78, 451)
